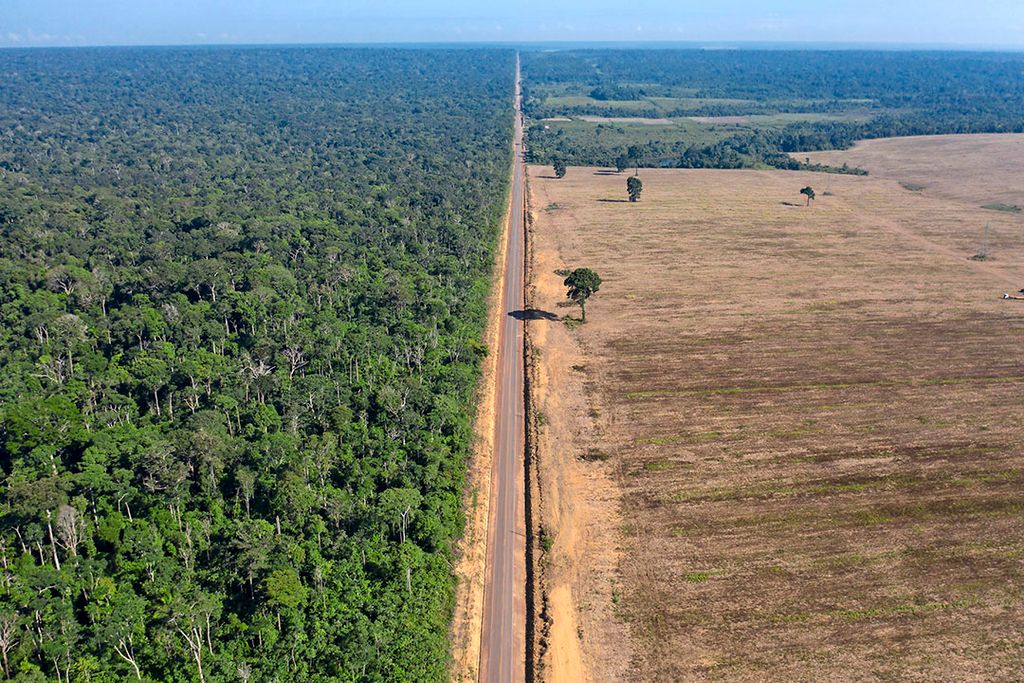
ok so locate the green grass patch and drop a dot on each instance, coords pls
(872, 518)
(789, 618)
(1008, 208)
(681, 438)
(790, 433)
(785, 118)
(570, 101)
(895, 610)
(547, 541)
(916, 606)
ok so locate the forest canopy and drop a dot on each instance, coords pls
(242, 300)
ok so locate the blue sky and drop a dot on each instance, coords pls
(149, 22)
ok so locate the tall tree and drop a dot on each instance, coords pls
(583, 283)
(634, 186)
(809, 193)
(559, 166)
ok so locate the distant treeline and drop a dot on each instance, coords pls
(905, 93)
(891, 79)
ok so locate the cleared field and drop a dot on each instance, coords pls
(585, 101)
(782, 118)
(800, 449)
(978, 169)
(662, 104)
(626, 119)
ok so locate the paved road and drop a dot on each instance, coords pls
(503, 641)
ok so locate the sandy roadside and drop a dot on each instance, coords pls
(471, 551)
(579, 502)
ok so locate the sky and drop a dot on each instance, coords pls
(995, 23)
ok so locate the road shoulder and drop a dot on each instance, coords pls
(578, 506)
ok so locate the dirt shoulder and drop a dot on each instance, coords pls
(579, 500)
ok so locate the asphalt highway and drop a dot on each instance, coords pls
(503, 641)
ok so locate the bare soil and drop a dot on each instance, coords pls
(975, 169)
(789, 442)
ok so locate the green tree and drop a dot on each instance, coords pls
(559, 167)
(397, 507)
(621, 163)
(809, 193)
(634, 186)
(286, 592)
(583, 283)
(120, 617)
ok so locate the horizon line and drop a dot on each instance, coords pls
(881, 46)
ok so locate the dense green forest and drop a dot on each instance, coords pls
(242, 299)
(855, 94)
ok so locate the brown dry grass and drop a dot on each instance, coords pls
(975, 169)
(814, 421)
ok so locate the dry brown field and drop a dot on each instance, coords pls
(789, 443)
(976, 169)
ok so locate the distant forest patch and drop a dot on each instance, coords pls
(754, 108)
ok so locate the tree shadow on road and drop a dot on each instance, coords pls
(534, 314)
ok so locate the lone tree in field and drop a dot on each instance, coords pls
(634, 186)
(621, 163)
(583, 283)
(809, 193)
(559, 166)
